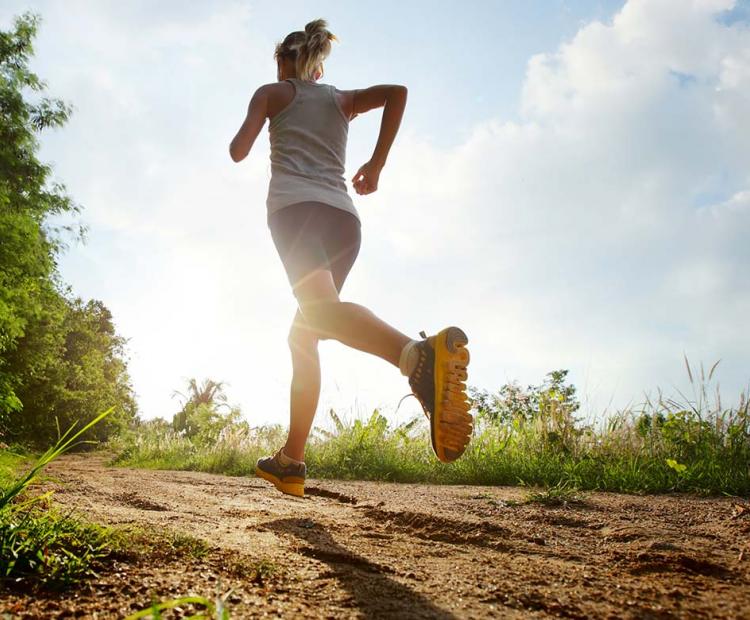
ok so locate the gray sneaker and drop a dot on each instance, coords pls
(289, 479)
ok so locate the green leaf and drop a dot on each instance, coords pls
(678, 467)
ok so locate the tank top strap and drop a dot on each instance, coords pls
(302, 90)
(299, 84)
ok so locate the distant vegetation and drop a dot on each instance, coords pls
(527, 436)
(61, 359)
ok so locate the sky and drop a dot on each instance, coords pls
(570, 185)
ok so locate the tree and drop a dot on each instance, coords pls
(210, 393)
(28, 249)
(512, 402)
(200, 416)
(71, 367)
(60, 358)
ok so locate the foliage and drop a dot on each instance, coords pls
(206, 434)
(60, 358)
(511, 402)
(528, 437)
(211, 610)
(28, 250)
(200, 417)
(70, 368)
(558, 495)
(37, 541)
(43, 545)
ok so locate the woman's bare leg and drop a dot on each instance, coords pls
(322, 316)
(305, 389)
(349, 323)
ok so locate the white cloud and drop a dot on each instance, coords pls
(577, 230)
(604, 230)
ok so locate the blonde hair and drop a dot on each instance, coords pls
(308, 48)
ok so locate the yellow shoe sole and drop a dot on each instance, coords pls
(290, 486)
(451, 424)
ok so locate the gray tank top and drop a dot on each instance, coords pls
(308, 150)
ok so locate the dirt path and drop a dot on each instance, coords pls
(364, 549)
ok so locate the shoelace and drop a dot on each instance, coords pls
(403, 398)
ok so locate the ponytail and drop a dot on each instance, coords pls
(308, 49)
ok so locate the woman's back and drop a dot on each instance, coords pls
(308, 148)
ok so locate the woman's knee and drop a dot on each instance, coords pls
(302, 337)
(324, 316)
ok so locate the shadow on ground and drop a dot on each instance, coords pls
(373, 591)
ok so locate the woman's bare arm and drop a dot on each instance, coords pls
(257, 111)
(392, 98)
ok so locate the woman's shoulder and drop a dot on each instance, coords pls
(278, 96)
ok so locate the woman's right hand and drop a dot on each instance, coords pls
(366, 179)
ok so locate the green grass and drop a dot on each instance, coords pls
(661, 447)
(38, 544)
(209, 609)
(166, 545)
(558, 495)
(257, 571)
(528, 437)
(42, 546)
(11, 460)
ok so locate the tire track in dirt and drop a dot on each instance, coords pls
(365, 549)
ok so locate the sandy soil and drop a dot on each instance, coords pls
(366, 549)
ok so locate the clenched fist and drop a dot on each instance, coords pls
(366, 179)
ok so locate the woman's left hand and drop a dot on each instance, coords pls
(366, 179)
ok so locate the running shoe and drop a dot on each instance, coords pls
(439, 383)
(289, 479)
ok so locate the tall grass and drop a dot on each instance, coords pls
(38, 544)
(529, 436)
(11, 460)
(233, 451)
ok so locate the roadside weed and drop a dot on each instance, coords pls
(212, 609)
(37, 541)
(558, 495)
(533, 436)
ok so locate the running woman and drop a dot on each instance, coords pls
(316, 230)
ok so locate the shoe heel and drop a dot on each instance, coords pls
(296, 488)
(455, 337)
(455, 342)
(291, 488)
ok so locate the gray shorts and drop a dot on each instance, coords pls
(310, 236)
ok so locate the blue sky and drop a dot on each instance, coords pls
(575, 176)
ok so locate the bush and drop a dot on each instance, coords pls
(522, 436)
(39, 544)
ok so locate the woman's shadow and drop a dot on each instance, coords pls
(375, 594)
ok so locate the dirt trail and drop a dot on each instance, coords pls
(365, 549)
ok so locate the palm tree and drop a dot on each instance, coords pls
(210, 394)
